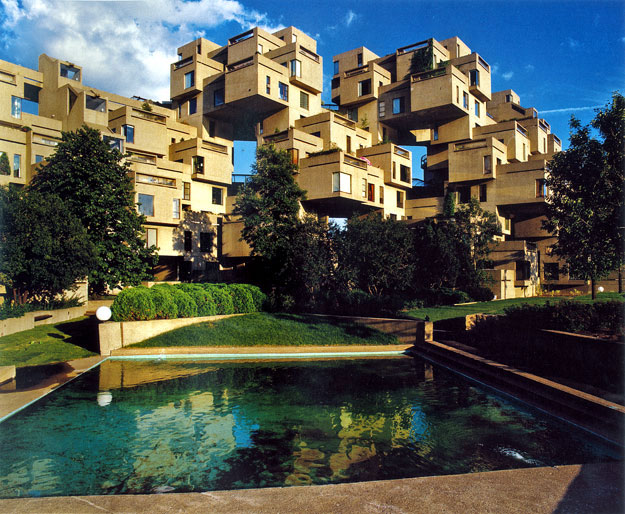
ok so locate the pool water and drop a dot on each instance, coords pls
(169, 425)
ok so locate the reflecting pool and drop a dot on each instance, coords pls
(146, 426)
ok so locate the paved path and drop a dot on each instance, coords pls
(591, 488)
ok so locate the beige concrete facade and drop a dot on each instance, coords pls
(266, 87)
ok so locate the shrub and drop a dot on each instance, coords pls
(258, 296)
(221, 297)
(133, 304)
(164, 304)
(360, 303)
(186, 306)
(241, 298)
(480, 294)
(441, 296)
(203, 300)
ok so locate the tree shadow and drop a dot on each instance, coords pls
(81, 332)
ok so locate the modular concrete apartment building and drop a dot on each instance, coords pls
(267, 88)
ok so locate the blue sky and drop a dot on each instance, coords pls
(562, 57)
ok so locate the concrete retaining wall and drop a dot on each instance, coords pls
(37, 318)
(116, 335)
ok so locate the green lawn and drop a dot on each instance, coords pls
(263, 329)
(498, 306)
(46, 344)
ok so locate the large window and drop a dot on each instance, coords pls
(382, 195)
(70, 72)
(296, 68)
(371, 193)
(218, 97)
(435, 134)
(476, 108)
(359, 59)
(186, 190)
(175, 212)
(483, 192)
(95, 103)
(464, 194)
(465, 100)
(404, 173)
(523, 270)
(16, 107)
(341, 183)
(363, 188)
(364, 87)
(268, 85)
(198, 164)
(336, 67)
(192, 106)
(474, 75)
(188, 241)
(129, 133)
(218, 196)
(399, 105)
(303, 100)
(151, 237)
(284, 91)
(381, 109)
(115, 143)
(206, 241)
(146, 204)
(400, 199)
(488, 165)
(189, 79)
(541, 188)
(17, 165)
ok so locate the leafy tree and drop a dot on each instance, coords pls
(293, 253)
(94, 182)
(449, 205)
(5, 167)
(585, 202)
(44, 249)
(375, 255)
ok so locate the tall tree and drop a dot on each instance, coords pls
(585, 201)
(44, 249)
(293, 253)
(94, 182)
(375, 254)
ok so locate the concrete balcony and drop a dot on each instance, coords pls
(475, 160)
(187, 75)
(305, 67)
(361, 85)
(149, 129)
(395, 161)
(538, 131)
(511, 133)
(340, 185)
(209, 162)
(521, 183)
(478, 71)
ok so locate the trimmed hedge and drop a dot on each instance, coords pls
(166, 301)
(134, 304)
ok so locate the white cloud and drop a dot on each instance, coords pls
(124, 47)
(572, 43)
(507, 75)
(529, 68)
(350, 17)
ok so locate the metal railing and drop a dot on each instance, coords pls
(351, 161)
(182, 63)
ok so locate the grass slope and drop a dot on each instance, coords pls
(49, 343)
(263, 329)
(498, 306)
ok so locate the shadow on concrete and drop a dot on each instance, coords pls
(597, 488)
(82, 333)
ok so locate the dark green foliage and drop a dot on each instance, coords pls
(96, 186)
(441, 296)
(449, 205)
(44, 249)
(221, 297)
(480, 294)
(164, 305)
(15, 310)
(570, 316)
(585, 206)
(259, 298)
(422, 59)
(133, 304)
(242, 299)
(203, 299)
(5, 167)
(184, 301)
(361, 303)
(375, 255)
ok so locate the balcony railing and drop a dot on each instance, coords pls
(398, 150)
(214, 147)
(483, 63)
(480, 143)
(521, 129)
(183, 63)
(356, 71)
(241, 37)
(425, 75)
(242, 64)
(351, 161)
(149, 116)
(145, 159)
(489, 115)
(344, 121)
(415, 46)
(309, 54)
(544, 125)
(557, 139)
(7, 77)
(276, 138)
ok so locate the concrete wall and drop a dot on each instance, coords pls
(37, 318)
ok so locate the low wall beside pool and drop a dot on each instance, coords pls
(115, 335)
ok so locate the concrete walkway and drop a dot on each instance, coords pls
(591, 488)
